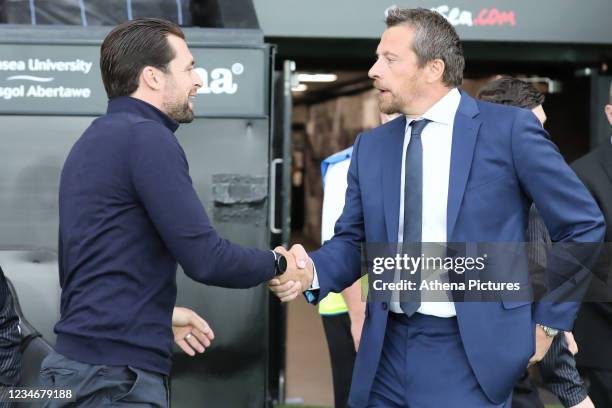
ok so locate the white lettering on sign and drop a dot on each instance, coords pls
(38, 91)
(388, 10)
(455, 16)
(33, 69)
(8, 93)
(485, 17)
(47, 65)
(220, 80)
(12, 65)
(34, 64)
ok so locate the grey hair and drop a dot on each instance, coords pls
(435, 38)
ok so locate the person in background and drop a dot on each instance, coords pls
(594, 322)
(10, 355)
(558, 367)
(342, 314)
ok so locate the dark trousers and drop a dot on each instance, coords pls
(525, 393)
(600, 386)
(423, 365)
(101, 385)
(341, 353)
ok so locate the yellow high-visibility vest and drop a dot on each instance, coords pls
(334, 303)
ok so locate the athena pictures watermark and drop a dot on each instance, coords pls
(484, 272)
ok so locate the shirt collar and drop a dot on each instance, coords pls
(444, 110)
(122, 104)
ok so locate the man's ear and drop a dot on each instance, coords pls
(608, 110)
(435, 70)
(152, 78)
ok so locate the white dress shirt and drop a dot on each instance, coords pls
(334, 192)
(436, 138)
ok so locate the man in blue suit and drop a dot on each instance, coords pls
(450, 169)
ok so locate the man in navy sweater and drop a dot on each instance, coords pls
(128, 214)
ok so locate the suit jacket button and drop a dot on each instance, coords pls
(385, 306)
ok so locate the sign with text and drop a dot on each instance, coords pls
(65, 79)
(557, 21)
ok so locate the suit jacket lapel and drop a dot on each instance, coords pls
(465, 134)
(391, 175)
(606, 159)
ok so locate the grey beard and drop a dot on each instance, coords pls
(389, 109)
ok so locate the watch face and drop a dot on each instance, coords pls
(552, 332)
(282, 263)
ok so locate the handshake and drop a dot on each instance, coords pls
(298, 275)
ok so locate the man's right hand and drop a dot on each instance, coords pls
(297, 278)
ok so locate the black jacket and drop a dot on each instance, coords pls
(10, 356)
(593, 327)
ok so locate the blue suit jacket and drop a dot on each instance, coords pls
(502, 160)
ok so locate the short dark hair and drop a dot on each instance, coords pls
(511, 91)
(130, 47)
(435, 38)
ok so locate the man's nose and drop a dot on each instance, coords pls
(374, 71)
(197, 79)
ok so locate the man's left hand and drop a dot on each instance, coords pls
(543, 343)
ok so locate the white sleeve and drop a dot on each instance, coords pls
(315, 279)
(333, 197)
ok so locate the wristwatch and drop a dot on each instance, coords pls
(280, 263)
(549, 331)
